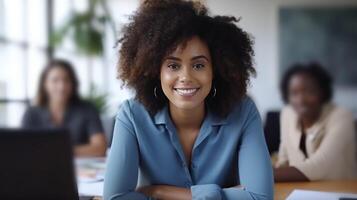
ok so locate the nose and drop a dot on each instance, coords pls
(185, 76)
(61, 85)
(300, 100)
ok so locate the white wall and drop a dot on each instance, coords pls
(260, 19)
(120, 10)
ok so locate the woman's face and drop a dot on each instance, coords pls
(186, 74)
(58, 85)
(304, 95)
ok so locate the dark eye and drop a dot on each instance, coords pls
(198, 66)
(173, 66)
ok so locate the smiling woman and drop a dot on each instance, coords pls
(186, 75)
(156, 31)
(191, 130)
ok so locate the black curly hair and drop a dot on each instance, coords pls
(159, 26)
(314, 70)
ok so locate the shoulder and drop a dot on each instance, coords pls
(132, 109)
(244, 110)
(84, 108)
(245, 106)
(34, 111)
(336, 114)
(34, 115)
(84, 105)
(132, 106)
(338, 124)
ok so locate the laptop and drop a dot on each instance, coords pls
(36, 164)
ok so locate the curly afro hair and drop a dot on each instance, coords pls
(313, 70)
(159, 26)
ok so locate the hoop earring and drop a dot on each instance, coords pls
(155, 90)
(214, 91)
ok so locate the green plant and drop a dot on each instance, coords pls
(86, 29)
(98, 99)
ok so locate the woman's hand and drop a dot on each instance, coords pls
(289, 174)
(164, 192)
(149, 191)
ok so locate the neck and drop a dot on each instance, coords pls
(309, 121)
(57, 106)
(187, 118)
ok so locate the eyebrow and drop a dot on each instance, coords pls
(172, 58)
(198, 57)
(193, 58)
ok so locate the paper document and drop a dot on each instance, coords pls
(316, 195)
(91, 189)
(90, 176)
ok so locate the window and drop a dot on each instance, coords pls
(24, 53)
(23, 44)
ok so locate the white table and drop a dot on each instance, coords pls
(91, 189)
(90, 174)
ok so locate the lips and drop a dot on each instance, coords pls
(186, 91)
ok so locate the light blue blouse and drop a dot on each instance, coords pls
(227, 152)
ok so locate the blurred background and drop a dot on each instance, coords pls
(85, 33)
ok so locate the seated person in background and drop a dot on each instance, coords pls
(317, 137)
(59, 105)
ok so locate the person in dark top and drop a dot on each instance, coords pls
(58, 105)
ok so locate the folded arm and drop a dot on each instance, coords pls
(254, 167)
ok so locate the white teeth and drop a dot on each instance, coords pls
(186, 91)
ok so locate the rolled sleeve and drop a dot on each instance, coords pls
(215, 192)
(206, 192)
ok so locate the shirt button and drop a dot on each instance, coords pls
(193, 166)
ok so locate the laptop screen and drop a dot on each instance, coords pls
(36, 164)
